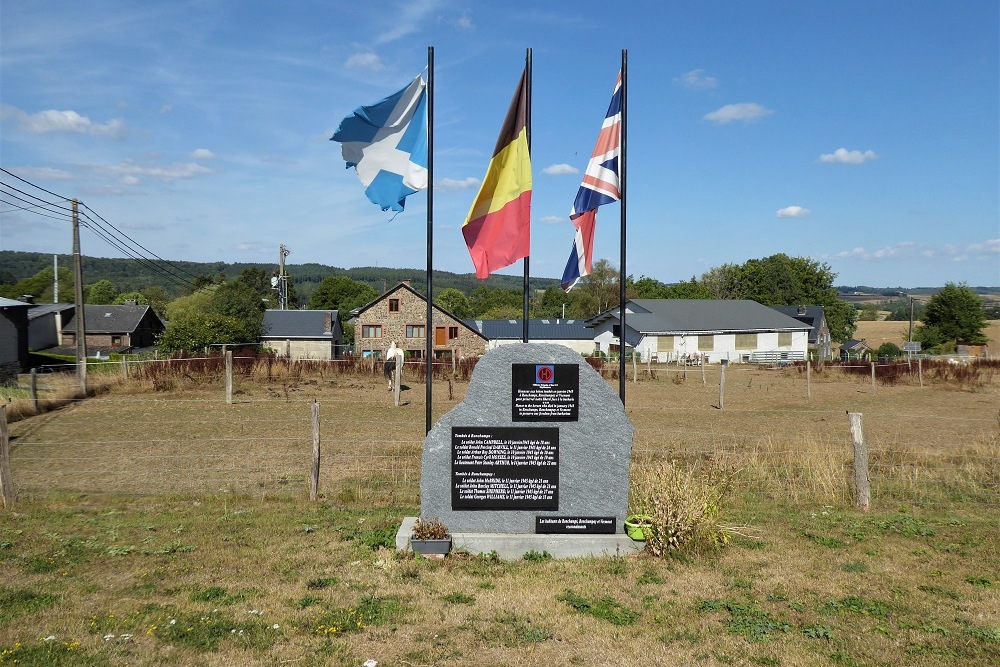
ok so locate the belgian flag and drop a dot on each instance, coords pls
(497, 229)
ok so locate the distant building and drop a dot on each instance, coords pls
(400, 315)
(115, 327)
(303, 334)
(819, 330)
(45, 324)
(854, 349)
(13, 339)
(668, 330)
(574, 334)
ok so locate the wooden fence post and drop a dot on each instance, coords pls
(397, 374)
(722, 388)
(229, 377)
(873, 376)
(809, 370)
(124, 367)
(635, 368)
(920, 371)
(862, 482)
(6, 486)
(703, 369)
(34, 388)
(314, 477)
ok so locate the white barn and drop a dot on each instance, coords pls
(574, 334)
(738, 331)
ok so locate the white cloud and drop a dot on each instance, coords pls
(367, 60)
(747, 112)
(793, 212)
(202, 154)
(986, 250)
(553, 220)
(696, 79)
(407, 19)
(52, 121)
(561, 169)
(458, 183)
(465, 22)
(844, 156)
(43, 173)
(131, 173)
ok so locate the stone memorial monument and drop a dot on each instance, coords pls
(536, 458)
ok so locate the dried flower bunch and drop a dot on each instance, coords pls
(430, 529)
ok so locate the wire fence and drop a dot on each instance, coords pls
(155, 432)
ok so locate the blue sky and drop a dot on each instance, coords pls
(860, 134)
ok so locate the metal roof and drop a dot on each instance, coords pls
(676, 316)
(39, 310)
(811, 315)
(298, 323)
(541, 329)
(7, 303)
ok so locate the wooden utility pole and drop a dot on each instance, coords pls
(81, 325)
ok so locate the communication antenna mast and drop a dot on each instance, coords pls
(282, 286)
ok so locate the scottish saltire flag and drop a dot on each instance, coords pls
(386, 143)
(599, 187)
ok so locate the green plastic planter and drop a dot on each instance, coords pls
(635, 525)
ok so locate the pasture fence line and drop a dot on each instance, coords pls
(272, 447)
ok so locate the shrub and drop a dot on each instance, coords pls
(683, 506)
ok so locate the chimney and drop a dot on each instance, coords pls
(131, 302)
(406, 282)
(328, 322)
(802, 310)
(27, 298)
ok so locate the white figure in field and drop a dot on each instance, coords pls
(393, 358)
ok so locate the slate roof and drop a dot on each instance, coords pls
(8, 303)
(297, 324)
(812, 316)
(110, 319)
(677, 316)
(542, 329)
(39, 310)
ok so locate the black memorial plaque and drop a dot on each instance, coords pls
(575, 525)
(545, 392)
(504, 468)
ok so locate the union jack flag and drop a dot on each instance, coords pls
(600, 186)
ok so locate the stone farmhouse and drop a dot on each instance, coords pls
(737, 331)
(400, 315)
(303, 334)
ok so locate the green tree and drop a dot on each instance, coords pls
(455, 302)
(723, 282)
(101, 292)
(868, 312)
(197, 303)
(139, 298)
(953, 315)
(157, 298)
(598, 291)
(41, 286)
(890, 350)
(342, 294)
(237, 300)
(485, 300)
(550, 303)
(194, 332)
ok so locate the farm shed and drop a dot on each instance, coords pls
(303, 334)
(13, 339)
(667, 330)
(400, 315)
(45, 324)
(115, 327)
(573, 334)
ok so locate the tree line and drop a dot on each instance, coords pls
(218, 309)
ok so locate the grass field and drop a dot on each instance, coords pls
(165, 527)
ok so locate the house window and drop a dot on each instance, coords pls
(415, 353)
(784, 339)
(371, 330)
(393, 305)
(706, 343)
(746, 341)
(664, 343)
(452, 333)
(116, 341)
(415, 331)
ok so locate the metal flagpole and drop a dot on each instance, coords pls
(527, 131)
(429, 331)
(621, 189)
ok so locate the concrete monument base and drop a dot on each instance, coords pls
(514, 546)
